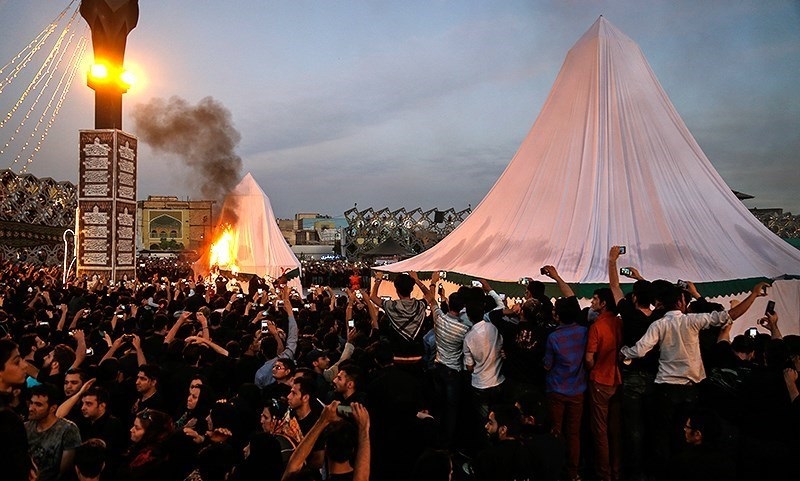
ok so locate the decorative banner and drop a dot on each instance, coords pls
(106, 218)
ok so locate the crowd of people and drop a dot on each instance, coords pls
(191, 378)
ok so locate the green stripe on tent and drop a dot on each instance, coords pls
(793, 241)
(515, 289)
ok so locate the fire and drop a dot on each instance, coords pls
(223, 252)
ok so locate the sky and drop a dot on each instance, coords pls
(423, 103)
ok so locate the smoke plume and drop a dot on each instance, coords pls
(201, 135)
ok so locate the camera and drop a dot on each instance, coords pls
(524, 281)
(622, 250)
(682, 284)
(752, 332)
(625, 271)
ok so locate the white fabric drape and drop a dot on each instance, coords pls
(259, 245)
(609, 162)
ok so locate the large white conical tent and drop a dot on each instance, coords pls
(258, 245)
(609, 162)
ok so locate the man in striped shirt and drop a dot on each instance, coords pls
(449, 330)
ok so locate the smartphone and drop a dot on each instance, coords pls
(265, 325)
(524, 281)
(344, 411)
(682, 284)
(752, 332)
(543, 271)
(476, 284)
(358, 295)
(351, 323)
(386, 298)
(625, 271)
(90, 352)
(442, 274)
(264, 313)
(307, 306)
(295, 309)
(260, 291)
(622, 250)
(120, 316)
(770, 308)
(44, 323)
(240, 296)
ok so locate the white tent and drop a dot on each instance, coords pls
(258, 245)
(610, 162)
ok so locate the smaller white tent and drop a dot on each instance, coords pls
(258, 245)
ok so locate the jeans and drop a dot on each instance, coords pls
(566, 413)
(637, 399)
(604, 404)
(673, 403)
(447, 384)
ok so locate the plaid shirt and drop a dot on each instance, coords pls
(563, 359)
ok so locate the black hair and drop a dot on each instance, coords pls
(342, 441)
(567, 309)
(152, 371)
(353, 372)
(7, 346)
(306, 385)
(90, 457)
(643, 290)
(404, 284)
(509, 416)
(607, 297)
(100, 393)
(45, 390)
(455, 302)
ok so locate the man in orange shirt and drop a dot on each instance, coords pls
(605, 341)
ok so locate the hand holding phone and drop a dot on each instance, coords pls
(770, 308)
(625, 271)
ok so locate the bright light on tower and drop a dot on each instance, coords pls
(128, 78)
(98, 71)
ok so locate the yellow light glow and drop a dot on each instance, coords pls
(223, 253)
(98, 71)
(128, 78)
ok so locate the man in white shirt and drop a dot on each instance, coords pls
(680, 367)
(482, 346)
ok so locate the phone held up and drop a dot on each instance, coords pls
(752, 332)
(622, 250)
(625, 271)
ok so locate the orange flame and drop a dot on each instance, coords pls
(223, 252)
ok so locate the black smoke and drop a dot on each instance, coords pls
(202, 136)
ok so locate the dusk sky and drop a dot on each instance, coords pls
(423, 103)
